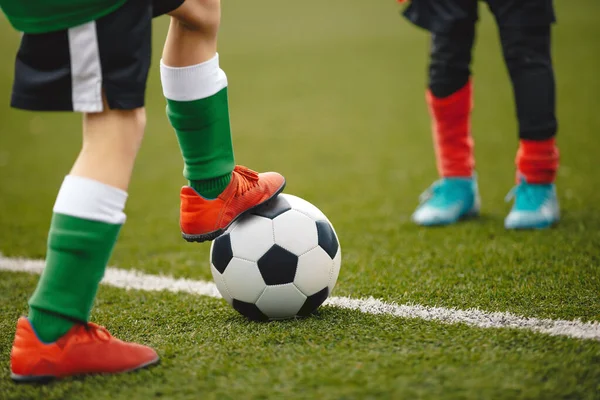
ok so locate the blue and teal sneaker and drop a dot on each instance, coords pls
(535, 207)
(447, 201)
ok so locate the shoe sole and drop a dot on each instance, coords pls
(540, 226)
(205, 237)
(471, 214)
(48, 378)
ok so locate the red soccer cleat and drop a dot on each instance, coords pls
(203, 219)
(84, 349)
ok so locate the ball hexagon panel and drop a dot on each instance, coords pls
(314, 271)
(278, 266)
(295, 232)
(281, 301)
(243, 280)
(313, 302)
(220, 282)
(249, 310)
(304, 206)
(275, 207)
(327, 238)
(337, 263)
(221, 252)
(252, 237)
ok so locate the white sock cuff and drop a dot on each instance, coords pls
(194, 82)
(89, 199)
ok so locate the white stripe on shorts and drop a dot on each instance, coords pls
(86, 71)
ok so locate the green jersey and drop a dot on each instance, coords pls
(41, 16)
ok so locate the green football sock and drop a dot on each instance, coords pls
(78, 251)
(197, 107)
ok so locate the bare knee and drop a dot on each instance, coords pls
(119, 130)
(111, 140)
(199, 15)
(138, 123)
(135, 123)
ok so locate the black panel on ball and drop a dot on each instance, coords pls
(313, 302)
(249, 310)
(222, 252)
(273, 208)
(327, 239)
(278, 266)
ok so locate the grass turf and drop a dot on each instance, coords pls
(209, 352)
(331, 95)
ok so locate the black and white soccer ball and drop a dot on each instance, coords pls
(280, 261)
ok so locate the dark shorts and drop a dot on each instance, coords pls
(68, 70)
(441, 16)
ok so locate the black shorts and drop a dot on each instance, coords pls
(67, 70)
(442, 16)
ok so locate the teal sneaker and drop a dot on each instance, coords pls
(447, 201)
(535, 207)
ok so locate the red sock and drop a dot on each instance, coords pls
(452, 132)
(537, 160)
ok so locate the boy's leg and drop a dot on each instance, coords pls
(196, 91)
(197, 106)
(449, 97)
(88, 215)
(526, 43)
(57, 340)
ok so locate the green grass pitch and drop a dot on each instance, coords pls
(330, 93)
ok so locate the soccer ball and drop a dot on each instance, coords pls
(280, 261)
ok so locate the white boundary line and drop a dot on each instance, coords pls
(131, 279)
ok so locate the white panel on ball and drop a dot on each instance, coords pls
(337, 263)
(295, 232)
(252, 237)
(243, 280)
(281, 301)
(220, 282)
(314, 271)
(304, 206)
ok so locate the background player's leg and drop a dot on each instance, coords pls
(88, 215)
(450, 102)
(528, 57)
(196, 91)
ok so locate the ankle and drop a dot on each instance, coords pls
(537, 161)
(49, 326)
(211, 188)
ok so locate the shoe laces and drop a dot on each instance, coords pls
(248, 179)
(431, 191)
(527, 196)
(97, 331)
(443, 191)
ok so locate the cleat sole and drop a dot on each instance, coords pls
(31, 378)
(42, 379)
(532, 227)
(469, 215)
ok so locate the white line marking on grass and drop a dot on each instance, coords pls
(130, 279)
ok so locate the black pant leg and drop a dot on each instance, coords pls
(450, 60)
(527, 55)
